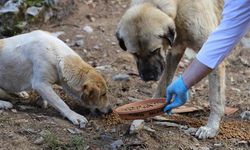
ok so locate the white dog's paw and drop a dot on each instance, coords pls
(5, 105)
(205, 132)
(77, 119)
(23, 95)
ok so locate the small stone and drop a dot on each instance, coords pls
(121, 77)
(170, 124)
(79, 36)
(24, 107)
(242, 142)
(96, 47)
(90, 17)
(48, 14)
(33, 11)
(57, 34)
(160, 118)
(218, 144)
(204, 148)
(245, 42)
(113, 43)
(117, 144)
(190, 131)
(88, 29)
(79, 43)
(149, 129)
(14, 110)
(245, 115)
(39, 141)
(136, 126)
(75, 131)
(9, 7)
(104, 68)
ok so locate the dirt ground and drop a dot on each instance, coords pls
(21, 129)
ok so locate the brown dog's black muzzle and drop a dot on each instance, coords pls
(150, 69)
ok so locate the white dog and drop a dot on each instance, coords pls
(37, 60)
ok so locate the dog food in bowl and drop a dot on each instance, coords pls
(142, 109)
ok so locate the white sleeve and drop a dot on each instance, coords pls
(233, 26)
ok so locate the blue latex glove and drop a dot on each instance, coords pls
(177, 90)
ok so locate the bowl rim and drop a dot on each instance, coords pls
(120, 110)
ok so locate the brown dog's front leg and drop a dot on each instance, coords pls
(172, 61)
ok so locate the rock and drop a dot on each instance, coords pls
(121, 77)
(245, 42)
(14, 110)
(79, 43)
(136, 126)
(242, 142)
(170, 124)
(149, 129)
(104, 68)
(88, 29)
(75, 131)
(24, 107)
(204, 148)
(190, 131)
(90, 17)
(34, 11)
(48, 14)
(96, 47)
(245, 115)
(39, 141)
(57, 34)
(117, 144)
(11, 7)
(160, 118)
(218, 145)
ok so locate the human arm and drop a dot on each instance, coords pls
(234, 25)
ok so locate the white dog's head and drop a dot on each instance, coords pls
(85, 84)
(146, 32)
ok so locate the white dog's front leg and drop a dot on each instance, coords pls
(217, 104)
(47, 92)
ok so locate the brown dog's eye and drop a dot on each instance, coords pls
(156, 51)
(104, 94)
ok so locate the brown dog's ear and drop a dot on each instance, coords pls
(170, 36)
(91, 91)
(121, 41)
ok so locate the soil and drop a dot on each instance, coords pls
(20, 129)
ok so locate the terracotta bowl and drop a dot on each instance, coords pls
(142, 109)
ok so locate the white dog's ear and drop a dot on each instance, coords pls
(70, 72)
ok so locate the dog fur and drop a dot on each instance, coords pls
(157, 32)
(37, 60)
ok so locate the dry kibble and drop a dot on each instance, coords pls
(112, 119)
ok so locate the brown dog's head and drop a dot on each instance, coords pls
(146, 32)
(85, 84)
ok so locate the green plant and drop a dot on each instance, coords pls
(77, 143)
(51, 140)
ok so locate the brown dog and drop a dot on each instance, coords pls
(157, 32)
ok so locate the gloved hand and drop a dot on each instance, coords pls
(179, 92)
